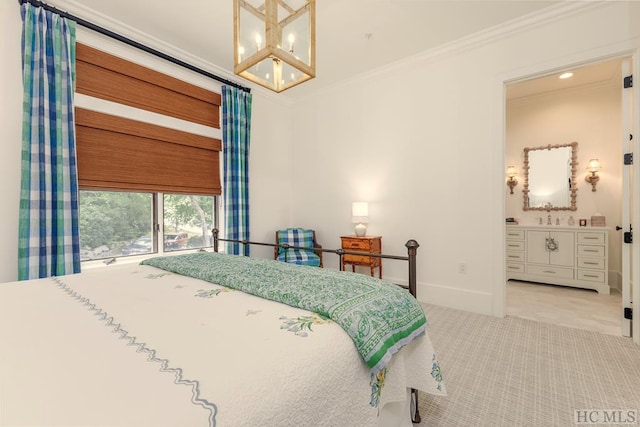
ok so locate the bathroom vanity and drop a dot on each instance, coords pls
(568, 256)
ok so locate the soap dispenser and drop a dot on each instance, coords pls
(571, 221)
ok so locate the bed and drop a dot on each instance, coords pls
(182, 341)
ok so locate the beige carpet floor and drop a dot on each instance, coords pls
(518, 372)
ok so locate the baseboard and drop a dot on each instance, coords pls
(615, 280)
(447, 296)
(461, 299)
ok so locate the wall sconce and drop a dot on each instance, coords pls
(593, 167)
(360, 216)
(512, 181)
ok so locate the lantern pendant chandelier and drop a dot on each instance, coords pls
(275, 41)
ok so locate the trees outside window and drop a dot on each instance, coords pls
(114, 224)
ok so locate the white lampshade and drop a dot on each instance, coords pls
(512, 172)
(360, 212)
(594, 165)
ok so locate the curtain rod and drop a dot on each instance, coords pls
(109, 33)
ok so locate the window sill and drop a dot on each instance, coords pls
(134, 259)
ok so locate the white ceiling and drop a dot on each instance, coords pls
(399, 28)
(606, 72)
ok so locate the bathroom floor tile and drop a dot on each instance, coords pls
(566, 306)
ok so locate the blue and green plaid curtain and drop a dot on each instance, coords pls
(48, 231)
(236, 128)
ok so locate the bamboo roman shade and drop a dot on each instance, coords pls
(116, 153)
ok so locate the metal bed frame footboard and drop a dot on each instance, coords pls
(412, 248)
(411, 245)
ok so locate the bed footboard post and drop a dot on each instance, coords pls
(412, 248)
(215, 232)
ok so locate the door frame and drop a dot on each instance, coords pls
(540, 70)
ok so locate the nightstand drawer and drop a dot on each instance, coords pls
(363, 260)
(356, 244)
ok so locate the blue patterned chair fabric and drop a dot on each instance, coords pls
(300, 237)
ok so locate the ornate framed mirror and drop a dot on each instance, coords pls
(550, 177)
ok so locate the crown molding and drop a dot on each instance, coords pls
(609, 84)
(504, 30)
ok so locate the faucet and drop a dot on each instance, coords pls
(549, 219)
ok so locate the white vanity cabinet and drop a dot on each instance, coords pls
(551, 253)
(568, 256)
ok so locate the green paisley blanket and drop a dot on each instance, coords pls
(379, 316)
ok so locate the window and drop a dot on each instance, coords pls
(188, 221)
(115, 224)
(148, 181)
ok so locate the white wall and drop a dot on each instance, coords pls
(423, 142)
(591, 116)
(270, 175)
(271, 134)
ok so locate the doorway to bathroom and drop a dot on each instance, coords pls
(585, 106)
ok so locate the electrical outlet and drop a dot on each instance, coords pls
(462, 268)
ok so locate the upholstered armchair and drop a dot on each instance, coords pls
(300, 237)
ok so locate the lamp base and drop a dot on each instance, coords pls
(361, 230)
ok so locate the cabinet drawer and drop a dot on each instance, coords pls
(515, 268)
(597, 263)
(362, 260)
(363, 245)
(591, 275)
(515, 235)
(515, 246)
(515, 256)
(542, 270)
(584, 250)
(591, 238)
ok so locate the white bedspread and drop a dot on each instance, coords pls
(134, 345)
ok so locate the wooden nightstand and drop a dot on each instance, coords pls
(368, 244)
